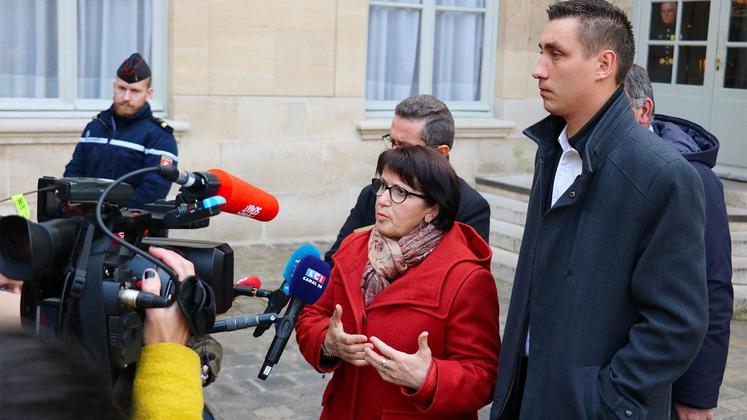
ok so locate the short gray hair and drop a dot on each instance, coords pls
(439, 124)
(638, 86)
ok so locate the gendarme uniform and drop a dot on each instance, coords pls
(660, 64)
(111, 146)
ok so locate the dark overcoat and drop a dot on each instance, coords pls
(611, 278)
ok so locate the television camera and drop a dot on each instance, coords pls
(82, 262)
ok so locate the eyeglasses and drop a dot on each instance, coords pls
(390, 143)
(396, 193)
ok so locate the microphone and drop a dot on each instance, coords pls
(241, 322)
(250, 286)
(308, 282)
(279, 297)
(290, 266)
(250, 281)
(242, 198)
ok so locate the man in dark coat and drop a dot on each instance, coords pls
(419, 120)
(695, 394)
(608, 306)
(127, 137)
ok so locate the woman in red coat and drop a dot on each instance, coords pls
(409, 321)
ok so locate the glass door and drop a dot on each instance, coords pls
(696, 54)
(729, 113)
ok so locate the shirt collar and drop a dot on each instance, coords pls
(563, 140)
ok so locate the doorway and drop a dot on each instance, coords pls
(696, 55)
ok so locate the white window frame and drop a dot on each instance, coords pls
(67, 104)
(644, 42)
(428, 9)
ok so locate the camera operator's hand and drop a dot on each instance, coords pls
(165, 325)
(182, 266)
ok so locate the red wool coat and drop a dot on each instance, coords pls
(451, 294)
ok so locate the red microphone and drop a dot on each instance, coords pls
(244, 199)
(250, 281)
(250, 286)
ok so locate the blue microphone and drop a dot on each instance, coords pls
(308, 282)
(279, 298)
(302, 251)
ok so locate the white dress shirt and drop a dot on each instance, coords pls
(569, 167)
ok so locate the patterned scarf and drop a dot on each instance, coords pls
(389, 258)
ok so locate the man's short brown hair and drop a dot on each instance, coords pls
(601, 26)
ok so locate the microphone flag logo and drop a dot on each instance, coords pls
(250, 211)
(314, 277)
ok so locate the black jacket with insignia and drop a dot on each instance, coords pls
(112, 146)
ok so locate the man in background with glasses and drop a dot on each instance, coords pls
(425, 121)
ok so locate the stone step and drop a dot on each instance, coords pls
(506, 235)
(517, 187)
(503, 264)
(736, 214)
(507, 209)
(740, 298)
(512, 186)
(738, 243)
(739, 270)
(735, 193)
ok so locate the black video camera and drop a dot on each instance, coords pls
(81, 264)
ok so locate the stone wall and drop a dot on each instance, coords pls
(274, 93)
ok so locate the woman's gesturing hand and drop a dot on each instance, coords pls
(404, 369)
(348, 347)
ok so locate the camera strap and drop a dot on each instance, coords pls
(81, 265)
(89, 312)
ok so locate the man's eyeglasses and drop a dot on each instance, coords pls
(396, 193)
(390, 143)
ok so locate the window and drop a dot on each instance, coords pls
(736, 47)
(62, 55)
(678, 38)
(441, 47)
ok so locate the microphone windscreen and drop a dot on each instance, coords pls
(302, 251)
(251, 281)
(244, 199)
(309, 279)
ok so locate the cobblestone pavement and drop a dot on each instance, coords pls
(294, 389)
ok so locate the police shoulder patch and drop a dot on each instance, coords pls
(163, 124)
(166, 160)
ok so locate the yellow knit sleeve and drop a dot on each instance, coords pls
(167, 383)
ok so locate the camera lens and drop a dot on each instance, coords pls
(14, 246)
